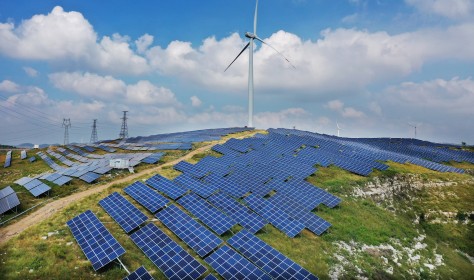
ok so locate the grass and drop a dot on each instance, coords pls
(358, 220)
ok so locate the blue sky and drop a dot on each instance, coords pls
(371, 66)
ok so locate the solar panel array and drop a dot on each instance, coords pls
(166, 254)
(241, 214)
(208, 214)
(196, 236)
(166, 186)
(140, 274)
(34, 186)
(123, 212)
(267, 258)
(89, 177)
(148, 198)
(154, 158)
(8, 199)
(99, 246)
(230, 265)
(190, 183)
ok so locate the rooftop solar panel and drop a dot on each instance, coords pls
(123, 212)
(8, 199)
(140, 274)
(99, 246)
(240, 213)
(230, 265)
(148, 198)
(166, 254)
(267, 258)
(200, 239)
(208, 214)
(168, 187)
(89, 177)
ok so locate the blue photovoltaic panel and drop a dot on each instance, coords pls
(89, 177)
(102, 170)
(240, 213)
(166, 254)
(148, 198)
(267, 258)
(275, 216)
(31, 159)
(62, 180)
(210, 277)
(208, 214)
(39, 190)
(32, 184)
(53, 177)
(23, 181)
(200, 239)
(192, 169)
(232, 266)
(123, 212)
(188, 182)
(311, 221)
(166, 186)
(139, 274)
(8, 199)
(23, 154)
(99, 246)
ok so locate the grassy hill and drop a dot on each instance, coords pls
(404, 222)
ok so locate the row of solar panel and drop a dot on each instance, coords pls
(8, 159)
(8, 199)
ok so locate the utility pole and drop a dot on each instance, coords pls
(66, 125)
(124, 130)
(94, 137)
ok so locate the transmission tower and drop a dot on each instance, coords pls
(66, 125)
(124, 130)
(94, 137)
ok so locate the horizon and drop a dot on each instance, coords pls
(371, 66)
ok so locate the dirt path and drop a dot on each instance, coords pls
(53, 207)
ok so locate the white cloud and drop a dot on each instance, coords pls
(9, 86)
(335, 105)
(89, 84)
(68, 37)
(375, 108)
(143, 43)
(346, 112)
(195, 101)
(30, 71)
(453, 9)
(144, 92)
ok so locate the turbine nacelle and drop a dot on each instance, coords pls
(250, 35)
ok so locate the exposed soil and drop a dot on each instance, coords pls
(53, 207)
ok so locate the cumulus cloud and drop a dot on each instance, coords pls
(346, 112)
(88, 84)
(195, 101)
(9, 86)
(30, 71)
(453, 9)
(67, 36)
(143, 43)
(144, 92)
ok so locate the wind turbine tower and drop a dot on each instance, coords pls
(252, 36)
(414, 126)
(338, 128)
(66, 125)
(94, 137)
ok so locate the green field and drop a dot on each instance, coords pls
(405, 235)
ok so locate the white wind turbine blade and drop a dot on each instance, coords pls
(255, 20)
(263, 42)
(246, 46)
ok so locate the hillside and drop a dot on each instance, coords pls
(385, 208)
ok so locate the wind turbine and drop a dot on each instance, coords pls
(338, 128)
(253, 36)
(414, 126)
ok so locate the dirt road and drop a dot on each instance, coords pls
(53, 207)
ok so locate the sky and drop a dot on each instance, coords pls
(376, 68)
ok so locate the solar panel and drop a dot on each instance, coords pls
(231, 265)
(140, 274)
(89, 177)
(62, 180)
(32, 159)
(200, 239)
(23, 154)
(123, 212)
(168, 187)
(276, 217)
(210, 277)
(53, 177)
(241, 214)
(208, 214)
(23, 181)
(203, 190)
(166, 254)
(148, 198)
(99, 246)
(102, 170)
(33, 183)
(267, 258)
(39, 190)
(8, 199)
